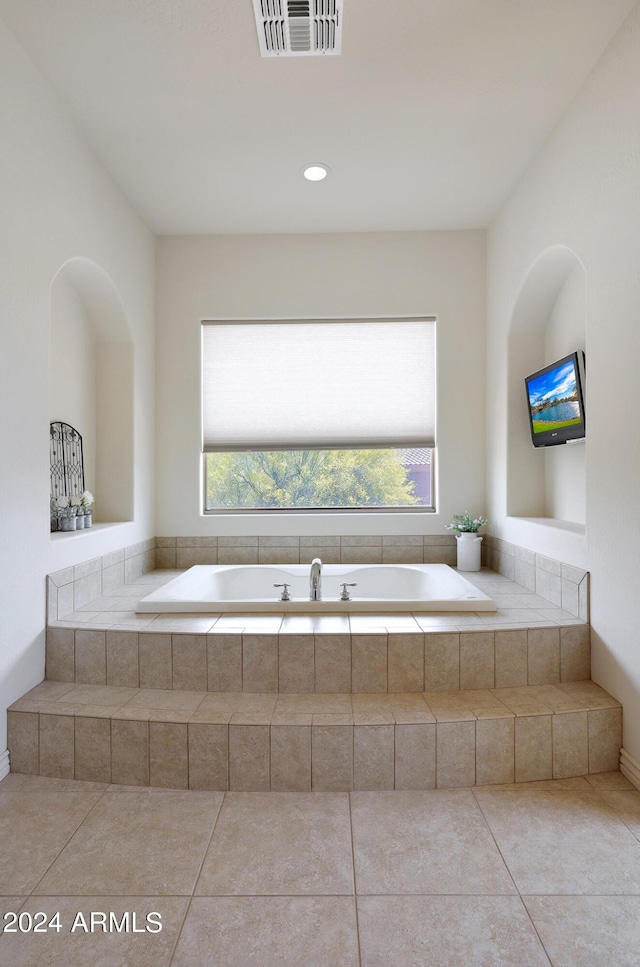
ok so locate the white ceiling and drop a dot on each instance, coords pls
(427, 119)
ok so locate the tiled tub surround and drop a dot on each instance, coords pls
(73, 587)
(310, 702)
(182, 552)
(559, 585)
(314, 653)
(564, 586)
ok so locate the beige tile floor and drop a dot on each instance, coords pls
(502, 876)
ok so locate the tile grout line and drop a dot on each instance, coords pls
(619, 815)
(531, 921)
(355, 889)
(473, 789)
(195, 882)
(519, 895)
(71, 835)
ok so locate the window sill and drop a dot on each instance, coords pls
(555, 524)
(63, 535)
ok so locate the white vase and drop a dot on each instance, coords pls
(469, 545)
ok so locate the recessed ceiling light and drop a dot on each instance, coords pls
(316, 172)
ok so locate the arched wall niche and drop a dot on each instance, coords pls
(91, 381)
(548, 322)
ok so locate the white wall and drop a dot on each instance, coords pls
(582, 192)
(565, 466)
(73, 370)
(437, 273)
(57, 203)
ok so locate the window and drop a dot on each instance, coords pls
(318, 479)
(319, 413)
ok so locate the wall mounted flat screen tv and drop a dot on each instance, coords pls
(556, 402)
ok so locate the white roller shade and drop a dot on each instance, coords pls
(323, 384)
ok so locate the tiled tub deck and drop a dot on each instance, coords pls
(323, 702)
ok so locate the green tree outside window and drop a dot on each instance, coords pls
(308, 478)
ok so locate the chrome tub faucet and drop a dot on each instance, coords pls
(315, 580)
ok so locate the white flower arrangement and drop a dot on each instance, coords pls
(466, 524)
(77, 503)
(71, 513)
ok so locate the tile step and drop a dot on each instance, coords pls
(379, 660)
(326, 742)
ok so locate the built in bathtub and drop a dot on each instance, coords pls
(378, 587)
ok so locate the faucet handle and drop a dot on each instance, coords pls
(345, 596)
(285, 596)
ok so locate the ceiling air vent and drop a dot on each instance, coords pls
(298, 28)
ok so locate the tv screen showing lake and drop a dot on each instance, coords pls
(559, 413)
(553, 396)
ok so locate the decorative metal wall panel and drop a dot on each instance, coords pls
(67, 461)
